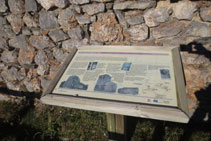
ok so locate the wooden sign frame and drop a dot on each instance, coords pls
(158, 112)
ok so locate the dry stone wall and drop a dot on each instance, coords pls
(37, 35)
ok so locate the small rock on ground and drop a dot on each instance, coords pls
(156, 16)
(66, 16)
(205, 13)
(47, 20)
(47, 4)
(40, 42)
(57, 35)
(19, 42)
(76, 33)
(197, 29)
(168, 29)
(79, 1)
(3, 7)
(9, 56)
(138, 32)
(30, 6)
(134, 5)
(92, 9)
(16, 6)
(16, 22)
(83, 19)
(41, 58)
(184, 10)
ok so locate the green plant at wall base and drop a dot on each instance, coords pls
(67, 123)
(7, 112)
(173, 133)
(200, 135)
(58, 123)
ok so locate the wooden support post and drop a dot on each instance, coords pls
(116, 125)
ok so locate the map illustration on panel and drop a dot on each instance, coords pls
(104, 84)
(92, 66)
(126, 66)
(126, 90)
(73, 82)
(165, 74)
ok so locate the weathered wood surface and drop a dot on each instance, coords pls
(116, 127)
(116, 107)
(108, 106)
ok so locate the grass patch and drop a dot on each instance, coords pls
(25, 122)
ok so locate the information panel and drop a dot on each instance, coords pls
(134, 76)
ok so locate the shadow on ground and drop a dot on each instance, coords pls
(201, 118)
(11, 127)
(144, 129)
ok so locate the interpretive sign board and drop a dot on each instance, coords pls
(149, 77)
